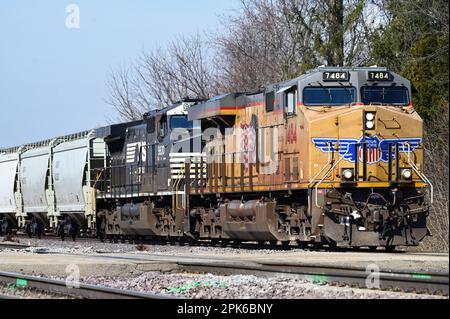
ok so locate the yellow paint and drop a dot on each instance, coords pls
(305, 160)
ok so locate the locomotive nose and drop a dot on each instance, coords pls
(378, 143)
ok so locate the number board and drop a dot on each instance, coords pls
(336, 76)
(379, 76)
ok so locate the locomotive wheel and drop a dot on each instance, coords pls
(101, 236)
(40, 230)
(301, 244)
(101, 230)
(236, 243)
(73, 233)
(28, 229)
(191, 241)
(214, 242)
(225, 242)
(5, 228)
(285, 243)
(333, 246)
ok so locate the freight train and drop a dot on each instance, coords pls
(333, 158)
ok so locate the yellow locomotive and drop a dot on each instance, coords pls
(333, 157)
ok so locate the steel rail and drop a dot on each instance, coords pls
(12, 245)
(432, 283)
(84, 291)
(8, 297)
(199, 243)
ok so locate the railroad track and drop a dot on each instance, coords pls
(247, 245)
(85, 291)
(13, 245)
(430, 283)
(435, 283)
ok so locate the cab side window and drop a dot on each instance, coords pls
(290, 101)
(270, 101)
(162, 127)
(150, 125)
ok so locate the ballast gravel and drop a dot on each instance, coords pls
(209, 286)
(14, 292)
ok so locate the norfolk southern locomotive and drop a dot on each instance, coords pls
(332, 158)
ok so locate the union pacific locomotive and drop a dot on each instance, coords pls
(332, 158)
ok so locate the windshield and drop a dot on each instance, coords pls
(317, 96)
(394, 95)
(180, 121)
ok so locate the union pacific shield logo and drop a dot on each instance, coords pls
(373, 151)
(377, 149)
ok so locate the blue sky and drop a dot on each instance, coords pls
(53, 78)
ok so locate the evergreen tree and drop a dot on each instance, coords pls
(414, 43)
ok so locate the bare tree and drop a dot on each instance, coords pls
(437, 169)
(263, 43)
(162, 77)
(122, 93)
(266, 41)
(272, 40)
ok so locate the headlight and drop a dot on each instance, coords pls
(406, 174)
(370, 125)
(348, 174)
(370, 120)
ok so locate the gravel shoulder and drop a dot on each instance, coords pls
(401, 261)
(209, 286)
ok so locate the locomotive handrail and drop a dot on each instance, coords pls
(98, 174)
(315, 177)
(175, 188)
(197, 158)
(328, 163)
(421, 175)
(316, 188)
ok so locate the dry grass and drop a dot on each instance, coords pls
(436, 168)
